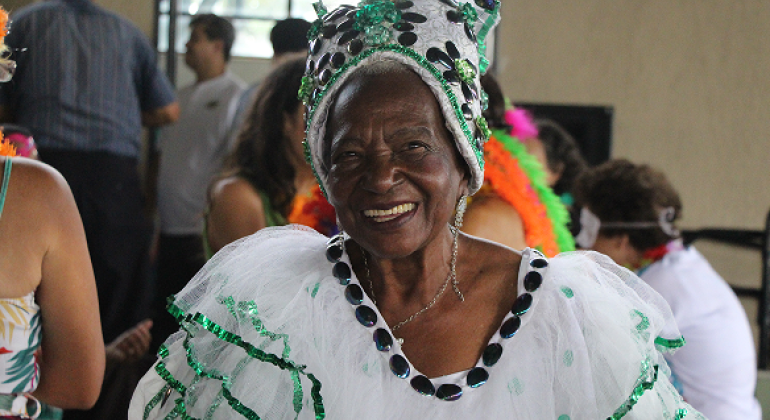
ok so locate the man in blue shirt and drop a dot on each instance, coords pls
(86, 82)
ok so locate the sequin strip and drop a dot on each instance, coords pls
(669, 345)
(637, 393)
(249, 310)
(482, 46)
(238, 406)
(153, 402)
(231, 338)
(161, 370)
(252, 351)
(426, 65)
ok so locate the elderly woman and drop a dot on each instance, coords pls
(402, 316)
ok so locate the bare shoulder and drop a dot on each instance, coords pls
(490, 258)
(492, 204)
(490, 217)
(37, 189)
(235, 210)
(234, 189)
(45, 178)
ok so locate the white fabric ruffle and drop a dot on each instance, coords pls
(584, 348)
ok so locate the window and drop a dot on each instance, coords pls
(253, 20)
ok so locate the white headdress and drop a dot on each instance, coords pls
(440, 40)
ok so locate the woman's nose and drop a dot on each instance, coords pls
(383, 173)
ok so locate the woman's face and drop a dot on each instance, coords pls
(394, 174)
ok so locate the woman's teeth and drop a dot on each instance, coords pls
(389, 214)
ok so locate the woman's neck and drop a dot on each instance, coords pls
(415, 278)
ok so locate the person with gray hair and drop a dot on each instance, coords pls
(403, 316)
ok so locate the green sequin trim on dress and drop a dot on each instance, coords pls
(647, 381)
(239, 310)
(665, 344)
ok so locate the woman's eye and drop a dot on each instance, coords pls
(345, 157)
(414, 150)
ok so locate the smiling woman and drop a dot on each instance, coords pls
(394, 174)
(402, 315)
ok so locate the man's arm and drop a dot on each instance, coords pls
(161, 116)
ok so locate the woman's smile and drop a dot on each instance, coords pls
(381, 216)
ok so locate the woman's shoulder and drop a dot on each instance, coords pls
(270, 265)
(488, 256)
(38, 192)
(596, 291)
(592, 318)
(508, 226)
(233, 188)
(45, 179)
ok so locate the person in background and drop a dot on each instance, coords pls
(515, 206)
(559, 154)
(51, 347)
(289, 40)
(628, 212)
(86, 81)
(266, 181)
(129, 346)
(191, 153)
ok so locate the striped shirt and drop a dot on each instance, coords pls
(83, 77)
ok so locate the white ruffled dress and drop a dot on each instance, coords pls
(269, 332)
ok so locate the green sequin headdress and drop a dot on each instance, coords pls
(443, 41)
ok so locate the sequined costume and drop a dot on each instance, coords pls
(20, 336)
(275, 328)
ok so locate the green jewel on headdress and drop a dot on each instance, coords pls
(371, 19)
(469, 13)
(315, 27)
(376, 35)
(485, 101)
(482, 125)
(306, 89)
(306, 150)
(320, 9)
(465, 71)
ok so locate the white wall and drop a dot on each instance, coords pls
(688, 80)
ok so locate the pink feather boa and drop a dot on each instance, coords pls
(521, 121)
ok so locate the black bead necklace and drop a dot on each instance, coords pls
(383, 340)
